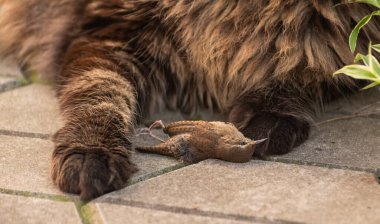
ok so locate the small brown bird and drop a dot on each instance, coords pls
(194, 141)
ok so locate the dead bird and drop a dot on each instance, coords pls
(194, 141)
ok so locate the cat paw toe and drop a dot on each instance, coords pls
(90, 171)
(283, 133)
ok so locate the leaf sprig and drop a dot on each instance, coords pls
(370, 69)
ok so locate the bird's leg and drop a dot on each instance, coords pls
(175, 146)
(148, 131)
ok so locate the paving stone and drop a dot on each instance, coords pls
(360, 102)
(7, 70)
(115, 214)
(367, 101)
(4, 80)
(20, 209)
(31, 108)
(10, 78)
(146, 140)
(275, 191)
(150, 164)
(351, 143)
(8, 83)
(25, 164)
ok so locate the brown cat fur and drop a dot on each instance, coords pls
(266, 63)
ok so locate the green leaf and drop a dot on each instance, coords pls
(357, 72)
(374, 65)
(371, 85)
(376, 47)
(355, 32)
(375, 3)
(361, 57)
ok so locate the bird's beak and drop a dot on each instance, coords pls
(253, 142)
(260, 141)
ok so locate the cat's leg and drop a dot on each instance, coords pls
(98, 100)
(282, 118)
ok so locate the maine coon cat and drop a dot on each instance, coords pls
(267, 64)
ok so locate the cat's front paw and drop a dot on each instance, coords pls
(90, 171)
(283, 132)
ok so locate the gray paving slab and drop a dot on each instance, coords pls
(113, 213)
(360, 102)
(32, 108)
(25, 164)
(9, 69)
(4, 80)
(8, 83)
(10, 78)
(263, 190)
(144, 139)
(353, 143)
(152, 165)
(20, 209)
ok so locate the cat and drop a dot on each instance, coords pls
(266, 64)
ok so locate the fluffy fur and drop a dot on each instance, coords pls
(265, 63)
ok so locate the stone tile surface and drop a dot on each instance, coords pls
(275, 191)
(32, 108)
(352, 143)
(10, 78)
(367, 101)
(25, 164)
(8, 83)
(5, 79)
(115, 214)
(9, 69)
(150, 164)
(257, 190)
(19, 209)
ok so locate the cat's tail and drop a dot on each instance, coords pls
(33, 32)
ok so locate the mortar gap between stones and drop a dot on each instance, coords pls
(12, 85)
(155, 174)
(85, 212)
(196, 212)
(25, 134)
(319, 164)
(59, 198)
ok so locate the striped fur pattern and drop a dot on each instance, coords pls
(267, 64)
